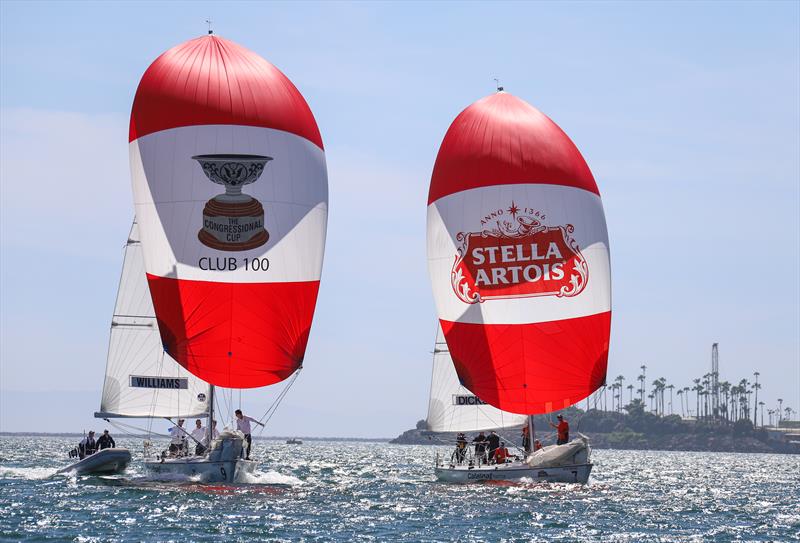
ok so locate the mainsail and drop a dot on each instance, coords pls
(141, 379)
(518, 258)
(452, 407)
(231, 193)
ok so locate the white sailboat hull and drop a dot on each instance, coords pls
(578, 473)
(202, 469)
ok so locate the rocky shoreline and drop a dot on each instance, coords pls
(640, 431)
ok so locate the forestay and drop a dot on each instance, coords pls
(141, 379)
(452, 407)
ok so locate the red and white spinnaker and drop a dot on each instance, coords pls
(231, 195)
(518, 258)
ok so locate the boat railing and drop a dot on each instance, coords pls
(465, 456)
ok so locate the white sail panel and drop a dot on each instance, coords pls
(141, 379)
(452, 407)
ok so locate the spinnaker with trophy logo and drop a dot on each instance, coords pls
(231, 198)
(518, 257)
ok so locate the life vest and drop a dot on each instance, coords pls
(563, 430)
(500, 455)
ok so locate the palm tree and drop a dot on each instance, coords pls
(707, 394)
(619, 380)
(725, 387)
(630, 393)
(680, 397)
(756, 386)
(670, 387)
(686, 391)
(654, 392)
(745, 408)
(761, 404)
(770, 412)
(697, 388)
(642, 379)
(780, 408)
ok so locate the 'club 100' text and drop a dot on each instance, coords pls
(231, 263)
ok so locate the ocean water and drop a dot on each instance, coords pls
(356, 491)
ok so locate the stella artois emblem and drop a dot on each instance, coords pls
(517, 255)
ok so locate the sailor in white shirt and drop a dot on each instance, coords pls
(178, 442)
(214, 433)
(199, 436)
(243, 425)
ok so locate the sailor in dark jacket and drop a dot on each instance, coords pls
(480, 447)
(105, 441)
(494, 444)
(87, 446)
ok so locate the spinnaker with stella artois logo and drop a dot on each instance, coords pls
(518, 257)
(231, 195)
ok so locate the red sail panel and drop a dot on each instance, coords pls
(266, 343)
(231, 195)
(566, 361)
(502, 139)
(211, 80)
(518, 258)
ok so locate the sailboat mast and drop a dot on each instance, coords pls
(531, 435)
(210, 414)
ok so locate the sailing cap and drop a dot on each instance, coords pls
(559, 416)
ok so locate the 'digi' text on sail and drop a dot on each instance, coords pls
(231, 263)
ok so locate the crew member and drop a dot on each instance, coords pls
(214, 433)
(87, 446)
(563, 430)
(526, 438)
(178, 442)
(461, 448)
(199, 437)
(480, 447)
(243, 425)
(105, 441)
(501, 455)
(494, 443)
(536, 445)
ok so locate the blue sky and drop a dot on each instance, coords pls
(687, 113)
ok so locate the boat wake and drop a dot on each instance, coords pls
(270, 478)
(26, 473)
(169, 478)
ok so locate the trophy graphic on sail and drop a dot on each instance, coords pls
(233, 221)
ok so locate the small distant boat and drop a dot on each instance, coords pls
(103, 462)
(294, 441)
